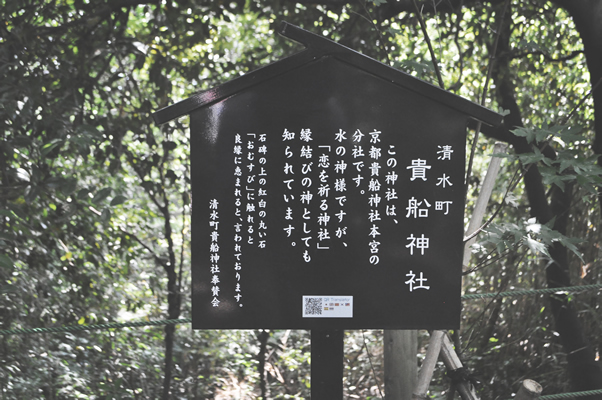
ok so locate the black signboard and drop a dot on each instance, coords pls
(327, 194)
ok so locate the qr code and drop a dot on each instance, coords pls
(313, 306)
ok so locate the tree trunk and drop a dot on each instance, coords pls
(169, 340)
(587, 16)
(400, 349)
(173, 300)
(263, 337)
(584, 372)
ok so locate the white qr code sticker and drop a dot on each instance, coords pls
(327, 306)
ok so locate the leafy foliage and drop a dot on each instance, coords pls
(95, 199)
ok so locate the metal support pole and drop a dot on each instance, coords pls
(327, 364)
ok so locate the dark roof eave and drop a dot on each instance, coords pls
(229, 88)
(316, 47)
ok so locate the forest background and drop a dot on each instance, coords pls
(95, 198)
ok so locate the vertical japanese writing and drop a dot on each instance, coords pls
(250, 190)
(306, 198)
(319, 177)
(238, 220)
(262, 229)
(332, 174)
(445, 154)
(417, 244)
(325, 163)
(375, 197)
(419, 208)
(289, 182)
(390, 180)
(416, 283)
(214, 254)
(340, 172)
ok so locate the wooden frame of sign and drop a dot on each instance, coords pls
(328, 194)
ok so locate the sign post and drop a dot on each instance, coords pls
(327, 364)
(327, 195)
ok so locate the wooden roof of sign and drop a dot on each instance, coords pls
(318, 47)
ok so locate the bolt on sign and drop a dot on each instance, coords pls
(328, 193)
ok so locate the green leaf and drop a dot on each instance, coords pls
(571, 134)
(551, 177)
(394, 31)
(420, 68)
(532, 158)
(534, 135)
(119, 199)
(529, 45)
(54, 182)
(169, 145)
(554, 180)
(48, 147)
(82, 194)
(21, 141)
(68, 186)
(88, 130)
(569, 244)
(377, 2)
(542, 134)
(6, 262)
(536, 247)
(106, 215)
(101, 195)
(529, 134)
(567, 163)
(31, 193)
(587, 184)
(512, 200)
(148, 185)
(7, 289)
(6, 236)
(171, 175)
(21, 174)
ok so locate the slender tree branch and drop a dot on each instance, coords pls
(158, 259)
(429, 44)
(484, 92)
(515, 55)
(513, 183)
(93, 19)
(372, 366)
(138, 171)
(459, 17)
(378, 32)
(588, 95)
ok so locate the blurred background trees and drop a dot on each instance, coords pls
(95, 204)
